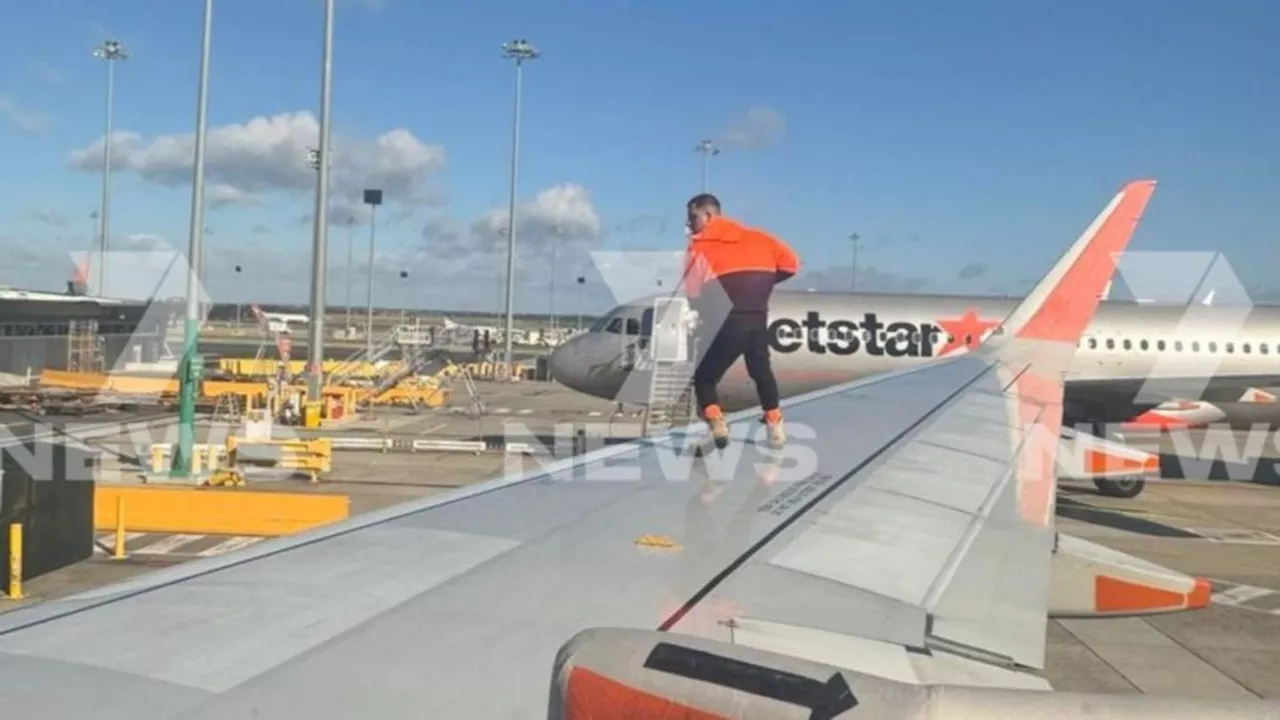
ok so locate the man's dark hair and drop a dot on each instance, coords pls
(704, 201)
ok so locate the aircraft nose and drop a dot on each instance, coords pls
(564, 367)
(582, 365)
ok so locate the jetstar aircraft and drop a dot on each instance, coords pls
(1139, 365)
(909, 570)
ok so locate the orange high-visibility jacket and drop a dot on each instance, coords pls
(746, 262)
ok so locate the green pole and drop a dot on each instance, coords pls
(189, 371)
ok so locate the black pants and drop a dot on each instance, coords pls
(743, 334)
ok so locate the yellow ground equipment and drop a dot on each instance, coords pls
(205, 457)
(308, 457)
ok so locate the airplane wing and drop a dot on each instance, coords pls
(901, 543)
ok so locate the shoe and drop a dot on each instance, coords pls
(719, 431)
(714, 418)
(777, 435)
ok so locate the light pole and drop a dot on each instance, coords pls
(582, 281)
(319, 262)
(853, 269)
(189, 379)
(109, 51)
(518, 50)
(706, 149)
(351, 227)
(238, 304)
(555, 241)
(372, 198)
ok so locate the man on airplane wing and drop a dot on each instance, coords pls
(746, 263)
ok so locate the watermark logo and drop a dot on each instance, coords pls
(675, 458)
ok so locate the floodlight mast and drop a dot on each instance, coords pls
(519, 50)
(320, 238)
(706, 148)
(109, 51)
(191, 370)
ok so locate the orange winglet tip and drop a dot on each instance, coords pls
(1113, 595)
(1199, 597)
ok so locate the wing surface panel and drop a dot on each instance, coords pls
(416, 598)
(933, 525)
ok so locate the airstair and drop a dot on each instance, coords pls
(352, 367)
(665, 356)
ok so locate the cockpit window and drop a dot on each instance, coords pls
(615, 326)
(633, 326)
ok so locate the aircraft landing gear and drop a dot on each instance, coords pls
(1127, 487)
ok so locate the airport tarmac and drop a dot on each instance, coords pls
(1229, 532)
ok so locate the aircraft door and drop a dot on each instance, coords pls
(671, 319)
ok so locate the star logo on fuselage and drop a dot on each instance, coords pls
(967, 331)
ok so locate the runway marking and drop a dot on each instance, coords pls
(1245, 597)
(1235, 536)
(435, 427)
(166, 545)
(526, 411)
(184, 545)
(226, 546)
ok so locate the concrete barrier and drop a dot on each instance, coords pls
(212, 511)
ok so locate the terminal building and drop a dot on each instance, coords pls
(40, 330)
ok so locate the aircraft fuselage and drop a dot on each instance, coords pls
(1131, 356)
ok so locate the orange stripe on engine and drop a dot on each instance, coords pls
(1100, 461)
(592, 696)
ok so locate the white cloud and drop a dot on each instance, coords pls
(561, 212)
(24, 118)
(46, 72)
(759, 127)
(220, 195)
(145, 242)
(49, 216)
(269, 154)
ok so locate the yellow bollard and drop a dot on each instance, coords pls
(15, 561)
(119, 544)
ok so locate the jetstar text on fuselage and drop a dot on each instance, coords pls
(875, 337)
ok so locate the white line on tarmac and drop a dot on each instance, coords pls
(226, 546)
(167, 545)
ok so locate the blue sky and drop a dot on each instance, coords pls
(966, 143)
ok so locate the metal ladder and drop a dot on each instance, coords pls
(349, 367)
(668, 357)
(670, 396)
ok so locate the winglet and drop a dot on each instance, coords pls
(1065, 300)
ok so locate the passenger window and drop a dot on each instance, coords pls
(1111, 344)
(1213, 347)
(1142, 345)
(1177, 346)
(1262, 347)
(1231, 347)
(1128, 345)
(1195, 346)
(1246, 348)
(1093, 343)
(1160, 345)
